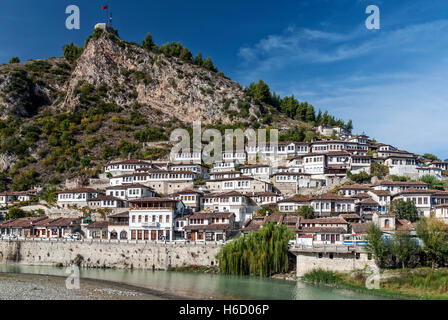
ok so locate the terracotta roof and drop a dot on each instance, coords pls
(98, 225)
(265, 194)
(349, 216)
(252, 225)
(105, 198)
(323, 221)
(362, 195)
(354, 187)
(152, 200)
(80, 190)
(380, 193)
(129, 162)
(225, 194)
(322, 230)
(369, 201)
(22, 222)
(400, 183)
(404, 225)
(120, 215)
(215, 226)
(295, 199)
(330, 196)
(63, 222)
(417, 191)
(128, 186)
(207, 215)
(360, 227)
(442, 205)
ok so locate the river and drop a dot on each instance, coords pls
(205, 286)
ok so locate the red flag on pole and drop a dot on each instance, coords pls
(105, 7)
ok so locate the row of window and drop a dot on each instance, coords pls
(154, 218)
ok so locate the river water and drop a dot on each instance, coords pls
(205, 286)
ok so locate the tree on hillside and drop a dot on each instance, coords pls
(208, 64)
(306, 212)
(405, 210)
(260, 92)
(375, 243)
(433, 233)
(404, 247)
(431, 157)
(361, 177)
(349, 126)
(14, 60)
(72, 52)
(310, 114)
(199, 60)
(264, 211)
(379, 170)
(16, 213)
(149, 44)
(433, 182)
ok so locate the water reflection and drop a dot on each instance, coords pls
(204, 285)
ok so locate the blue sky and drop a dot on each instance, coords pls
(392, 82)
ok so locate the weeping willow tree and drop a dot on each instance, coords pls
(261, 253)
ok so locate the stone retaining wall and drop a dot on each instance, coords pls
(121, 255)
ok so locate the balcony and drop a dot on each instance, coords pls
(150, 224)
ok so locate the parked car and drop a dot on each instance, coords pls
(9, 237)
(73, 237)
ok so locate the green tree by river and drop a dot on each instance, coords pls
(261, 253)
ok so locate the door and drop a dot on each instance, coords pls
(153, 235)
(333, 238)
(193, 236)
(48, 234)
(146, 235)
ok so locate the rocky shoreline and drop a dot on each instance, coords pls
(40, 287)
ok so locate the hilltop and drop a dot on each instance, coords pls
(65, 117)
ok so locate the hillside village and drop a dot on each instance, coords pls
(185, 200)
(321, 180)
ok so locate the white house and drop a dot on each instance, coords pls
(78, 197)
(151, 219)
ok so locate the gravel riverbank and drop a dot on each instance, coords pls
(39, 287)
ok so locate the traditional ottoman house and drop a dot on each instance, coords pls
(151, 219)
(56, 228)
(22, 227)
(257, 171)
(360, 163)
(187, 155)
(126, 167)
(179, 223)
(238, 203)
(265, 198)
(384, 199)
(422, 199)
(367, 207)
(441, 165)
(130, 191)
(218, 175)
(330, 205)
(118, 227)
(351, 190)
(225, 166)
(253, 224)
(402, 164)
(439, 197)
(76, 197)
(106, 202)
(290, 205)
(192, 199)
(429, 171)
(396, 187)
(200, 170)
(441, 212)
(241, 184)
(291, 183)
(8, 197)
(215, 226)
(98, 230)
(324, 230)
